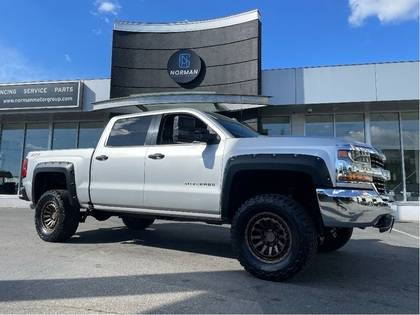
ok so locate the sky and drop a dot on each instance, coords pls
(71, 39)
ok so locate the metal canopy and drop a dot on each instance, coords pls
(208, 101)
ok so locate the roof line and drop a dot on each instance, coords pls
(343, 65)
(185, 26)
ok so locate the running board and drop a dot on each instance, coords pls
(159, 213)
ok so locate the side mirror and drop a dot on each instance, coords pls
(185, 131)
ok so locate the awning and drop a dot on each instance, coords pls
(206, 101)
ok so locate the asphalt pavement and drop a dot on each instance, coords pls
(175, 267)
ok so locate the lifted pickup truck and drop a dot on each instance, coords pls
(285, 198)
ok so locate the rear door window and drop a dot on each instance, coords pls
(129, 131)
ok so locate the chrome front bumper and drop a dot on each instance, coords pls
(354, 208)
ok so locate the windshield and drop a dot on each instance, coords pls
(237, 129)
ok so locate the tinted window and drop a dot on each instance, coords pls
(89, 133)
(167, 128)
(276, 125)
(129, 132)
(385, 135)
(64, 136)
(235, 128)
(350, 126)
(319, 126)
(410, 129)
(11, 145)
(36, 137)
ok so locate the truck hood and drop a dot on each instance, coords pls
(280, 143)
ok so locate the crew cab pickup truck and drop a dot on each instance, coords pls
(285, 198)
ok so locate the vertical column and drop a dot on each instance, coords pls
(298, 124)
(402, 157)
(368, 139)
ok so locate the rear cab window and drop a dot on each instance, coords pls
(128, 132)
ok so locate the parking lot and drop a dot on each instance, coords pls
(178, 267)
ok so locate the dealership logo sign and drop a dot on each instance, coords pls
(184, 66)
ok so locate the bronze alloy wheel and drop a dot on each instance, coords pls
(49, 216)
(268, 237)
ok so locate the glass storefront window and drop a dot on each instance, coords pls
(64, 136)
(350, 126)
(276, 125)
(36, 137)
(410, 135)
(385, 135)
(319, 126)
(11, 146)
(89, 133)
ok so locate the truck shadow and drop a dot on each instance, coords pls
(189, 237)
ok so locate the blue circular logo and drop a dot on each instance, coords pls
(184, 66)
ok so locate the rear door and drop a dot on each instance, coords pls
(117, 172)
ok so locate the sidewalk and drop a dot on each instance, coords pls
(12, 202)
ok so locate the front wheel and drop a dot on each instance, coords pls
(273, 237)
(334, 238)
(56, 220)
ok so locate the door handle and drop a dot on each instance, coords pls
(156, 156)
(101, 157)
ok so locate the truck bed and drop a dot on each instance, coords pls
(79, 157)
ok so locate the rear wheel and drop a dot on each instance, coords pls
(136, 223)
(56, 220)
(334, 238)
(273, 237)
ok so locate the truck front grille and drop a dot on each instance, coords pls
(378, 162)
(380, 185)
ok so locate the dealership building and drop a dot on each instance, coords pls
(215, 65)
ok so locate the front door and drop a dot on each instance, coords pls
(183, 176)
(117, 176)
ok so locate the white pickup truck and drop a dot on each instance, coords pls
(285, 198)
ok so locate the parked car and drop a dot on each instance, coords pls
(7, 187)
(285, 198)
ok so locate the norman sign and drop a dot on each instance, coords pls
(40, 95)
(184, 66)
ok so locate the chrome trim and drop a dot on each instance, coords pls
(351, 207)
(356, 185)
(186, 26)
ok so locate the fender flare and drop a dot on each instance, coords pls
(65, 168)
(313, 166)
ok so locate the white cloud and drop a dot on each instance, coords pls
(15, 67)
(67, 57)
(108, 7)
(104, 7)
(385, 10)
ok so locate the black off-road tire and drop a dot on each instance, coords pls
(303, 236)
(137, 223)
(67, 216)
(334, 238)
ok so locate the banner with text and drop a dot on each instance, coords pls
(40, 95)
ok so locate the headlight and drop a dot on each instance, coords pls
(354, 165)
(356, 155)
